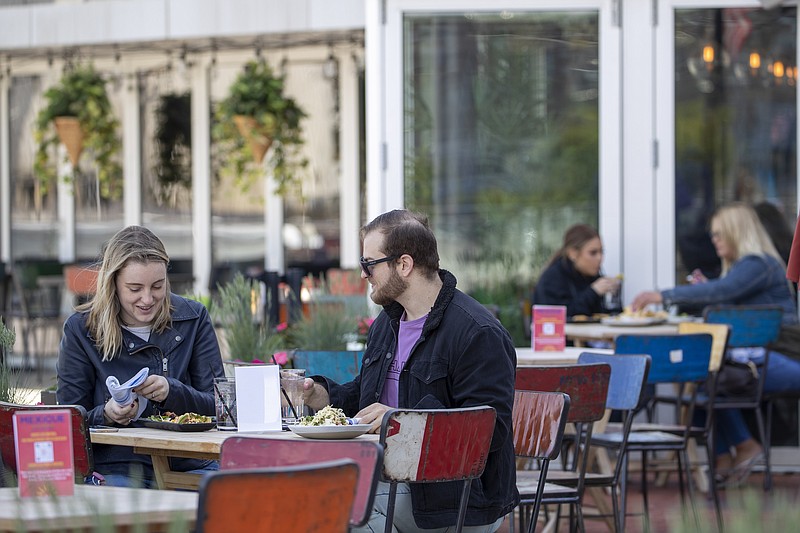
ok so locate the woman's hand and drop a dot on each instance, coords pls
(605, 285)
(154, 388)
(120, 414)
(643, 299)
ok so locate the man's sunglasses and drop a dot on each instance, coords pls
(365, 265)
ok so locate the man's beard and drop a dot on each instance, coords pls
(390, 291)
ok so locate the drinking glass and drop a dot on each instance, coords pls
(225, 401)
(292, 385)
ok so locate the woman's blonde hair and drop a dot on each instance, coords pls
(132, 244)
(742, 230)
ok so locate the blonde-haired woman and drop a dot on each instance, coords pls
(131, 323)
(752, 273)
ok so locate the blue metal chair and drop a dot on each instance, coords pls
(628, 376)
(752, 326)
(678, 359)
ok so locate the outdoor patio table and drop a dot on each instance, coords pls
(567, 356)
(126, 508)
(160, 445)
(580, 333)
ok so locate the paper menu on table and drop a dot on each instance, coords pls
(123, 393)
(258, 398)
(547, 328)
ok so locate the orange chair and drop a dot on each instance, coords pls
(419, 446)
(254, 452)
(81, 441)
(314, 498)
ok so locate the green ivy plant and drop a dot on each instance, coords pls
(80, 93)
(259, 93)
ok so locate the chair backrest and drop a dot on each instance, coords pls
(751, 325)
(81, 441)
(315, 497)
(418, 444)
(586, 386)
(674, 358)
(255, 452)
(340, 366)
(539, 419)
(628, 376)
(719, 333)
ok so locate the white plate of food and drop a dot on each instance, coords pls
(330, 432)
(632, 321)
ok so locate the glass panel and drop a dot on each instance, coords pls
(34, 217)
(501, 138)
(735, 123)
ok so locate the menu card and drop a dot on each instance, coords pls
(548, 328)
(258, 398)
(43, 445)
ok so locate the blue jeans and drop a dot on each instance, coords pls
(404, 518)
(783, 375)
(137, 479)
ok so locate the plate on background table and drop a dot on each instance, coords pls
(172, 426)
(632, 321)
(330, 432)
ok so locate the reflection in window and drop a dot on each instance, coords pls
(501, 138)
(735, 120)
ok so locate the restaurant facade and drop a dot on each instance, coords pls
(504, 122)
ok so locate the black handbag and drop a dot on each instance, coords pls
(737, 379)
(788, 342)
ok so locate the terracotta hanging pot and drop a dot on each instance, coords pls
(259, 142)
(71, 135)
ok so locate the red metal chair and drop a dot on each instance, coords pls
(291, 499)
(254, 452)
(587, 388)
(420, 446)
(81, 441)
(539, 419)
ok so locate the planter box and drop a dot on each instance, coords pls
(341, 367)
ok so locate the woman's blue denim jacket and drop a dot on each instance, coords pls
(752, 280)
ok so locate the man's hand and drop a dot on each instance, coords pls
(314, 395)
(373, 414)
(643, 299)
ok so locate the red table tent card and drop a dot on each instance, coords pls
(43, 444)
(548, 328)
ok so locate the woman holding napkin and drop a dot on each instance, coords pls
(135, 350)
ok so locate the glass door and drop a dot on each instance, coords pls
(502, 126)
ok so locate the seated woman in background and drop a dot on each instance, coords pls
(752, 273)
(133, 323)
(572, 277)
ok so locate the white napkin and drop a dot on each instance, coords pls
(123, 394)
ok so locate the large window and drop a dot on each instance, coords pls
(735, 122)
(501, 121)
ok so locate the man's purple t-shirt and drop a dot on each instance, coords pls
(408, 335)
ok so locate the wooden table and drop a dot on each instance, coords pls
(160, 445)
(125, 508)
(568, 356)
(580, 333)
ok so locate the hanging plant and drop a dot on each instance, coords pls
(173, 167)
(81, 95)
(254, 117)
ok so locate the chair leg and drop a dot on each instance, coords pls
(623, 508)
(390, 508)
(462, 506)
(768, 446)
(683, 456)
(645, 503)
(762, 433)
(712, 485)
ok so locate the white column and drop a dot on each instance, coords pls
(131, 150)
(201, 176)
(349, 197)
(273, 223)
(374, 50)
(65, 192)
(5, 172)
